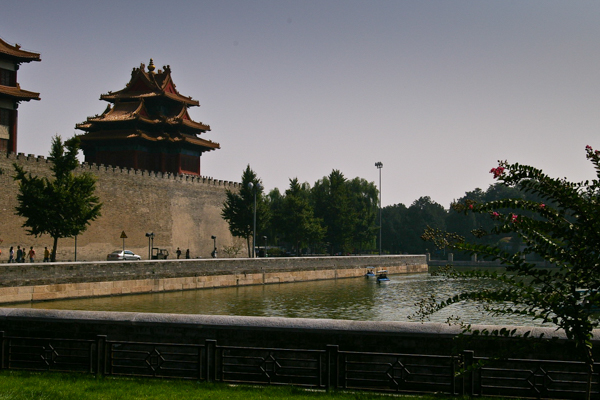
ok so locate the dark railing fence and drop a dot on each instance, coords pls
(330, 368)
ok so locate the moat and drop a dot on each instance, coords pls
(349, 299)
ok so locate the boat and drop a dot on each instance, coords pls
(370, 273)
(382, 276)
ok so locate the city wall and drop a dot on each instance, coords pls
(51, 281)
(181, 210)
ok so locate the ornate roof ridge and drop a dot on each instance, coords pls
(18, 93)
(157, 84)
(16, 52)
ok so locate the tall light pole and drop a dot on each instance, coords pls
(264, 237)
(150, 236)
(255, 188)
(214, 252)
(379, 166)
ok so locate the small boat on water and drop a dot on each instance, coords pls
(370, 273)
(382, 276)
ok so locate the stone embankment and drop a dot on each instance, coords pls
(52, 281)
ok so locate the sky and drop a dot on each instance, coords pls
(438, 91)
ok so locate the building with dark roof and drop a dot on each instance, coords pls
(146, 126)
(11, 93)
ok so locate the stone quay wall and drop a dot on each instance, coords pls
(181, 210)
(52, 281)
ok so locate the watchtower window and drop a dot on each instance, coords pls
(7, 77)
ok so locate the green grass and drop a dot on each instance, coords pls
(18, 385)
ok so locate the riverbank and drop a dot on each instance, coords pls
(53, 281)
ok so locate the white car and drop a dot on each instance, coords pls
(120, 255)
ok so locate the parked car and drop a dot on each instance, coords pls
(119, 255)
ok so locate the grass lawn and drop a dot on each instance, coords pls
(16, 385)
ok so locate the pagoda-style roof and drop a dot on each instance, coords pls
(18, 94)
(149, 84)
(16, 54)
(128, 135)
(150, 109)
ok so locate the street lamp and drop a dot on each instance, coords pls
(150, 236)
(264, 237)
(379, 166)
(256, 188)
(214, 252)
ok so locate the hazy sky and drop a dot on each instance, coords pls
(438, 91)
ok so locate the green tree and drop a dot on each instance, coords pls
(364, 202)
(422, 212)
(332, 204)
(562, 227)
(62, 206)
(393, 228)
(238, 209)
(298, 223)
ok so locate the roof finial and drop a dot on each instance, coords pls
(151, 66)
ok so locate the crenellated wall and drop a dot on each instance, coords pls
(181, 210)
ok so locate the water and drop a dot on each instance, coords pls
(357, 299)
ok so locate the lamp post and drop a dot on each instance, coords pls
(379, 166)
(264, 237)
(150, 236)
(214, 252)
(255, 188)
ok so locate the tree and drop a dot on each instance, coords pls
(562, 227)
(422, 212)
(331, 201)
(238, 209)
(393, 226)
(297, 221)
(62, 206)
(364, 201)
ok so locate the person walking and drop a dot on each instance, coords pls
(178, 252)
(31, 254)
(19, 254)
(46, 254)
(11, 255)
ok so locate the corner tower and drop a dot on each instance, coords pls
(146, 126)
(11, 93)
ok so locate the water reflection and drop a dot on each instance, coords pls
(350, 299)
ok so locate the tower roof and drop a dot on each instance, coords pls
(18, 94)
(149, 109)
(149, 84)
(15, 53)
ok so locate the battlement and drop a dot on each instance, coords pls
(33, 160)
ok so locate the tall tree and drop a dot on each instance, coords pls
(332, 204)
(296, 218)
(238, 209)
(422, 212)
(393, 226)
(364, 202)
(62, 206)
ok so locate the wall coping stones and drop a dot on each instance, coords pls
(260, 323)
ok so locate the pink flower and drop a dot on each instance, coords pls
(542, 206)
(513, 218)
(495, 215)
(470, 206)
(588, 147)
(497, 171)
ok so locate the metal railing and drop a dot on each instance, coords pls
(329, 368)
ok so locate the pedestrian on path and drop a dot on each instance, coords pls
(31, 254)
